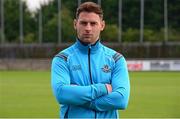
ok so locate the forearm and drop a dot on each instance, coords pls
(78, 95)
(114, 100)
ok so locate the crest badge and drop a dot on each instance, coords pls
(106, 69)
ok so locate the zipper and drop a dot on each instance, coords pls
(66, 114)
(89, 64)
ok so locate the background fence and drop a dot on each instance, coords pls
(138, 28)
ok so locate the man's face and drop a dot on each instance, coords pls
(88, 26)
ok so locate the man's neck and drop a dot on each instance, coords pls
(85, 44)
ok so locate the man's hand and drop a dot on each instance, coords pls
(109, 88)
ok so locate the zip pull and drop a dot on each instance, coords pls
(89, 46)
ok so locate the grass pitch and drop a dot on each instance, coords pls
(28, 94)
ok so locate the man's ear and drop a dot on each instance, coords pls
(75, 23)
(102, 25)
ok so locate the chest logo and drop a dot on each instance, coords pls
(76, 67)
(106, 69)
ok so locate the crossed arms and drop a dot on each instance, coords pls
(99, 97)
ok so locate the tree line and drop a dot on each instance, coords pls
(153, 21)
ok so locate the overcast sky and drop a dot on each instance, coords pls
(33, 5)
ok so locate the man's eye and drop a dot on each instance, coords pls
(84, 23)
(93, 23)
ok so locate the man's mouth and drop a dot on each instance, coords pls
(87, 35)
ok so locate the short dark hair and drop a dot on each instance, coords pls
(89, 7)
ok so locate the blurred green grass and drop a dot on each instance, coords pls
(154, 95)
(28, 94)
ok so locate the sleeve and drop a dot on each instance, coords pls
(119, 97)
(66, 93)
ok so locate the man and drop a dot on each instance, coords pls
(90, 80)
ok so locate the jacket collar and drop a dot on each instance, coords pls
(85, 47)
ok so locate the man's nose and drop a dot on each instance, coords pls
(88, 27)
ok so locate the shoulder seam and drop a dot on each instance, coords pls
(117, 56)
(63, 56)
